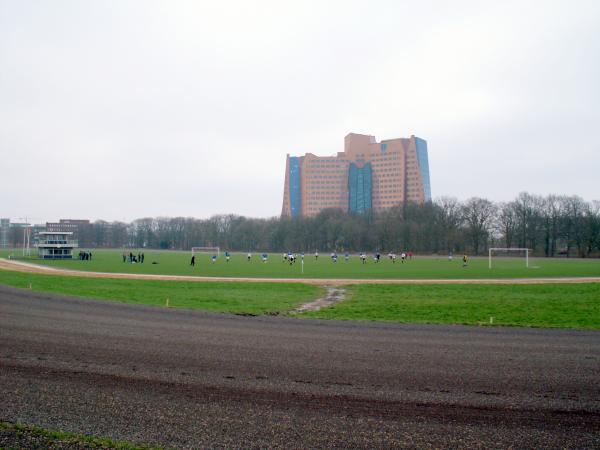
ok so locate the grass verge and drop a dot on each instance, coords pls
(541, 305)
(230, 297)
(538, 305)
(28, 436)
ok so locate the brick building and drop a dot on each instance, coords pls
(367, 176)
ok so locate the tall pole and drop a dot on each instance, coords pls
(25, 236)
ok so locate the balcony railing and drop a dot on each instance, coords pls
(57, 243)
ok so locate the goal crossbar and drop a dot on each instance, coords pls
(213, 250)
(508, 249)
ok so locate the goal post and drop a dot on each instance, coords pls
(211, 250)
(508, 249)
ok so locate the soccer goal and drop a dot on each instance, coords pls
(497, 252)
(208, 250)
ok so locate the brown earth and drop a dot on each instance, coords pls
(190, 379)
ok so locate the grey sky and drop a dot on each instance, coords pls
(125, 109)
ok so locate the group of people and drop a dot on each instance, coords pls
(139, 258)
(213, 259)
(85, 256)
(291, 258)
(465, 259)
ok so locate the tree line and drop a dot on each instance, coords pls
(552, 225)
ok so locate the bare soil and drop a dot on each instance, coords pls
(334, 295)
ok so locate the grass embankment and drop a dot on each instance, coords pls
(29, 436)
(178, 263)
(230, 297)
(540, 305)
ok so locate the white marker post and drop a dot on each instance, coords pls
(302, 266)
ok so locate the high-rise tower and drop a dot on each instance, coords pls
(367, 176)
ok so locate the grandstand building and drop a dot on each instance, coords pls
(80, 228)
(367, 176)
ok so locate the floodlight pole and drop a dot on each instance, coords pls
(26, 236)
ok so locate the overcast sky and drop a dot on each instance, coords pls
(126, 109)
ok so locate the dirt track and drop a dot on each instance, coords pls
(197, 380)
(20, 266)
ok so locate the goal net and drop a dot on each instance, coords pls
(207, 250)
(512, 255)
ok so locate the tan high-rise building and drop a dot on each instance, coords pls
(367, 176)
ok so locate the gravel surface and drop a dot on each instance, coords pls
(189, 379)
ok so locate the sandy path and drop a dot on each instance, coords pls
(334, 295)
(19, 266)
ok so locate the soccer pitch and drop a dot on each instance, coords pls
(419, 267)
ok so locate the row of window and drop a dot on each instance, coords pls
(388, 157)
(321, 194)
(390, 191)
(388, 168)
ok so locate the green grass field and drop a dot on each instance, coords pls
(177, 263)
(31, 436)
(540, 305)
(230, 297)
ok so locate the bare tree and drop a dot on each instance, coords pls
(478, 214)
(449, 218)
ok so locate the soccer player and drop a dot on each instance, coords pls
(450, 256)
(193, 261)
(227, 256)
(265, 257)
(213, 259)
(394, 258)
(465, 259)
(316, 255)
(249, 256)
(403, 257)
(363, 257)
(346, 256)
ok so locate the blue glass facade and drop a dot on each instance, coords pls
(424, 166)
(360, 188)
(295, 191)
